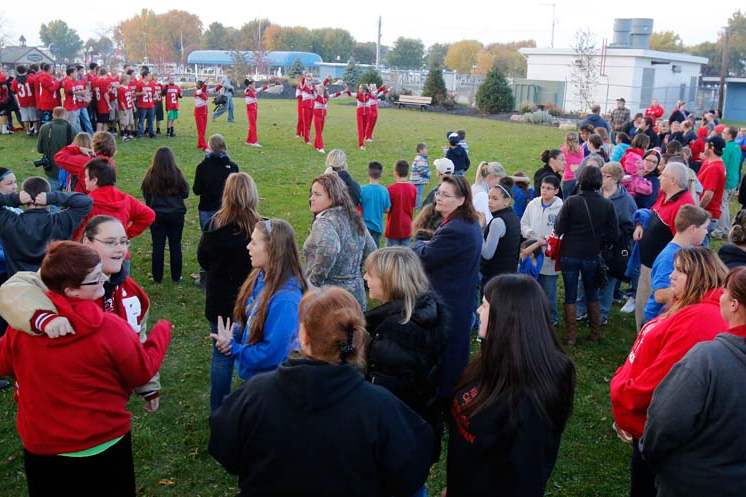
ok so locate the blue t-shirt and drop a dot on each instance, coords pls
(376, 201)
(660, 278)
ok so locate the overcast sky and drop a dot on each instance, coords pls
(432, 21)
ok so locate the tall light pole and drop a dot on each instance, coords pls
(723, 72)
(554, 18)
(378, 45)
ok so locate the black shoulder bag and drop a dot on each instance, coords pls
(601, 276)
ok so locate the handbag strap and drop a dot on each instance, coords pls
(590, 220)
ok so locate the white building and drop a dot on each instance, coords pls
(626, 69)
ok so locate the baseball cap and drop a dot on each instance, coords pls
(717, 143)
(720, 128)
(444, 166)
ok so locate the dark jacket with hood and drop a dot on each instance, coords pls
(732, 256)
(222, 253)
(312, 428)
(406, 359)
(209, 180)
(460, 159)
(694, 438)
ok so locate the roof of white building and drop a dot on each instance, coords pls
(622, 52)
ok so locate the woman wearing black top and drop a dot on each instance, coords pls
(514, 399)
(165, 188)
(587, 222)
(222, 252)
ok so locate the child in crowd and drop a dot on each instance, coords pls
(531, 258)
(462, 140)
(502, 235)
(573, 155)
(457, 155)
(622, 144)
(420, 176)
(522, 192)
(376, 201)
(403, 196)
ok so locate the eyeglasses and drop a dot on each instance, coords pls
(438, 193)
(114, 243)
(651, 160)
(101, 279)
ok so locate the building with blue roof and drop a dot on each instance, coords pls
(273, 60)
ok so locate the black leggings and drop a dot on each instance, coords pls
(111, 473)
(642, 479)
(167, 226)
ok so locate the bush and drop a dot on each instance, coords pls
(352, 75)
(435, 85)
(527, 108)
(494, 95)
(371, 76)
(538, 117)
(296, 69)
(553, 110)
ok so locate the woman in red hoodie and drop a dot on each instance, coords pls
(693, 317)
(72, 392)
(74, 158)
(699, 145)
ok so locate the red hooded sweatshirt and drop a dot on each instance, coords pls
(72, 160)
(661, 343)
(699, 144)
(136, 217)
(72, 391)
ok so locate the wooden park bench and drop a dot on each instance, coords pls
(421, 102)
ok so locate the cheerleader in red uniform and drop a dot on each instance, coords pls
(320, 103)
(375, 94)
(361, 97)
(307, 97)
(250, 97)
(200, 113)
(299, 99)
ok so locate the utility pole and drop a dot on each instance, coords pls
(554, 18)
(181, 47)
(723, 72)
(378, 46)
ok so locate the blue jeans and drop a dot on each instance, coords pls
(549, 285)
(73, 117)
(710, 228)
(221, 372)
(605, 297)
(573, 269)
(228, 107)
(398, 242)
(204, 219)
(568, 187)
(149, 115)
(85, 121)
(420, 195)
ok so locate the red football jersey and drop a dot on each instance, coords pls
(101, 88)
(157, 91)
(71, 86)
(24, 90)
(173, 94)
(145, 100)
(124, 98)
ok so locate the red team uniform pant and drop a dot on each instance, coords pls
(251, 112)
(370, 123)
(362, 123)
(307, 119)
(200, 119)
(299, 126)
(319, 116)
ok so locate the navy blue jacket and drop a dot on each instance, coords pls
(596, 121)
(451, 261)
(459, 157)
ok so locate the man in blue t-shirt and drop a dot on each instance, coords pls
(375, 200)
(691, 228)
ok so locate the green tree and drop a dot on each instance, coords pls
(710, 50)
(436, 54)
(462, 56)
(251, 35)
(371, 76)
(296, 69)
(736, 33)
(666, 41)
(63, 42)
(494, 95)
(178, 30)
(365, 53)
(352, 75)
(407, 53)
(294, 39)
(102, 47)
(332, 44)
(219, 37)
(435, 85)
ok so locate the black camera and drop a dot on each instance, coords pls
(43, 162)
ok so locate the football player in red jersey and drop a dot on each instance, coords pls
(146, 104)
(125, 105)
(102, 96)
(91, 78)
(172, 94)
(158, 104)
(24, 95)
(46, 89)
(74, 91)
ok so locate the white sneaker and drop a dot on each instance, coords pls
(629, 306)
(362, 148)
(321, 150)
(256, 145)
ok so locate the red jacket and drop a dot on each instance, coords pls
(654, 111)
(661, 343)
(72, 392)
(698, 147)
(46, 89)
(72, 160)
(136, 217)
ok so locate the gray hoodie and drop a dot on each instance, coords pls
(694, 438)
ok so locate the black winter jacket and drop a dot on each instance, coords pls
(316, 429)
(209, 180)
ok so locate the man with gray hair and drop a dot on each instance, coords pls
(654, 233)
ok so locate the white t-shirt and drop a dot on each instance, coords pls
(480, 200)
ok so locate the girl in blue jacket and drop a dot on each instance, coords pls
(265, 329)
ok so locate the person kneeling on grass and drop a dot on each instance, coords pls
(86, 449)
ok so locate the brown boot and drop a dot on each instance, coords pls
(594, 317)
(571, 324)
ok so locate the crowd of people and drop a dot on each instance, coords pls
(354, 397)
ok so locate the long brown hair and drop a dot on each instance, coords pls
(466, 210)
(164, 177)
(284, 263)
(334, 325)
(340, 197)
(240, 198)
(704, 272)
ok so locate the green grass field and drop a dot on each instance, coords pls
(171, 445)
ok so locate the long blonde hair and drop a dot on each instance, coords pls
(704, 272)
(572, 142)
(402, 276)
(240, 198)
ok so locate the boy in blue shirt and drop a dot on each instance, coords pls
(375, 200)
(420, 175)
(691, 228)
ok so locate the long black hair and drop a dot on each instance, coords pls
(520, 356)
